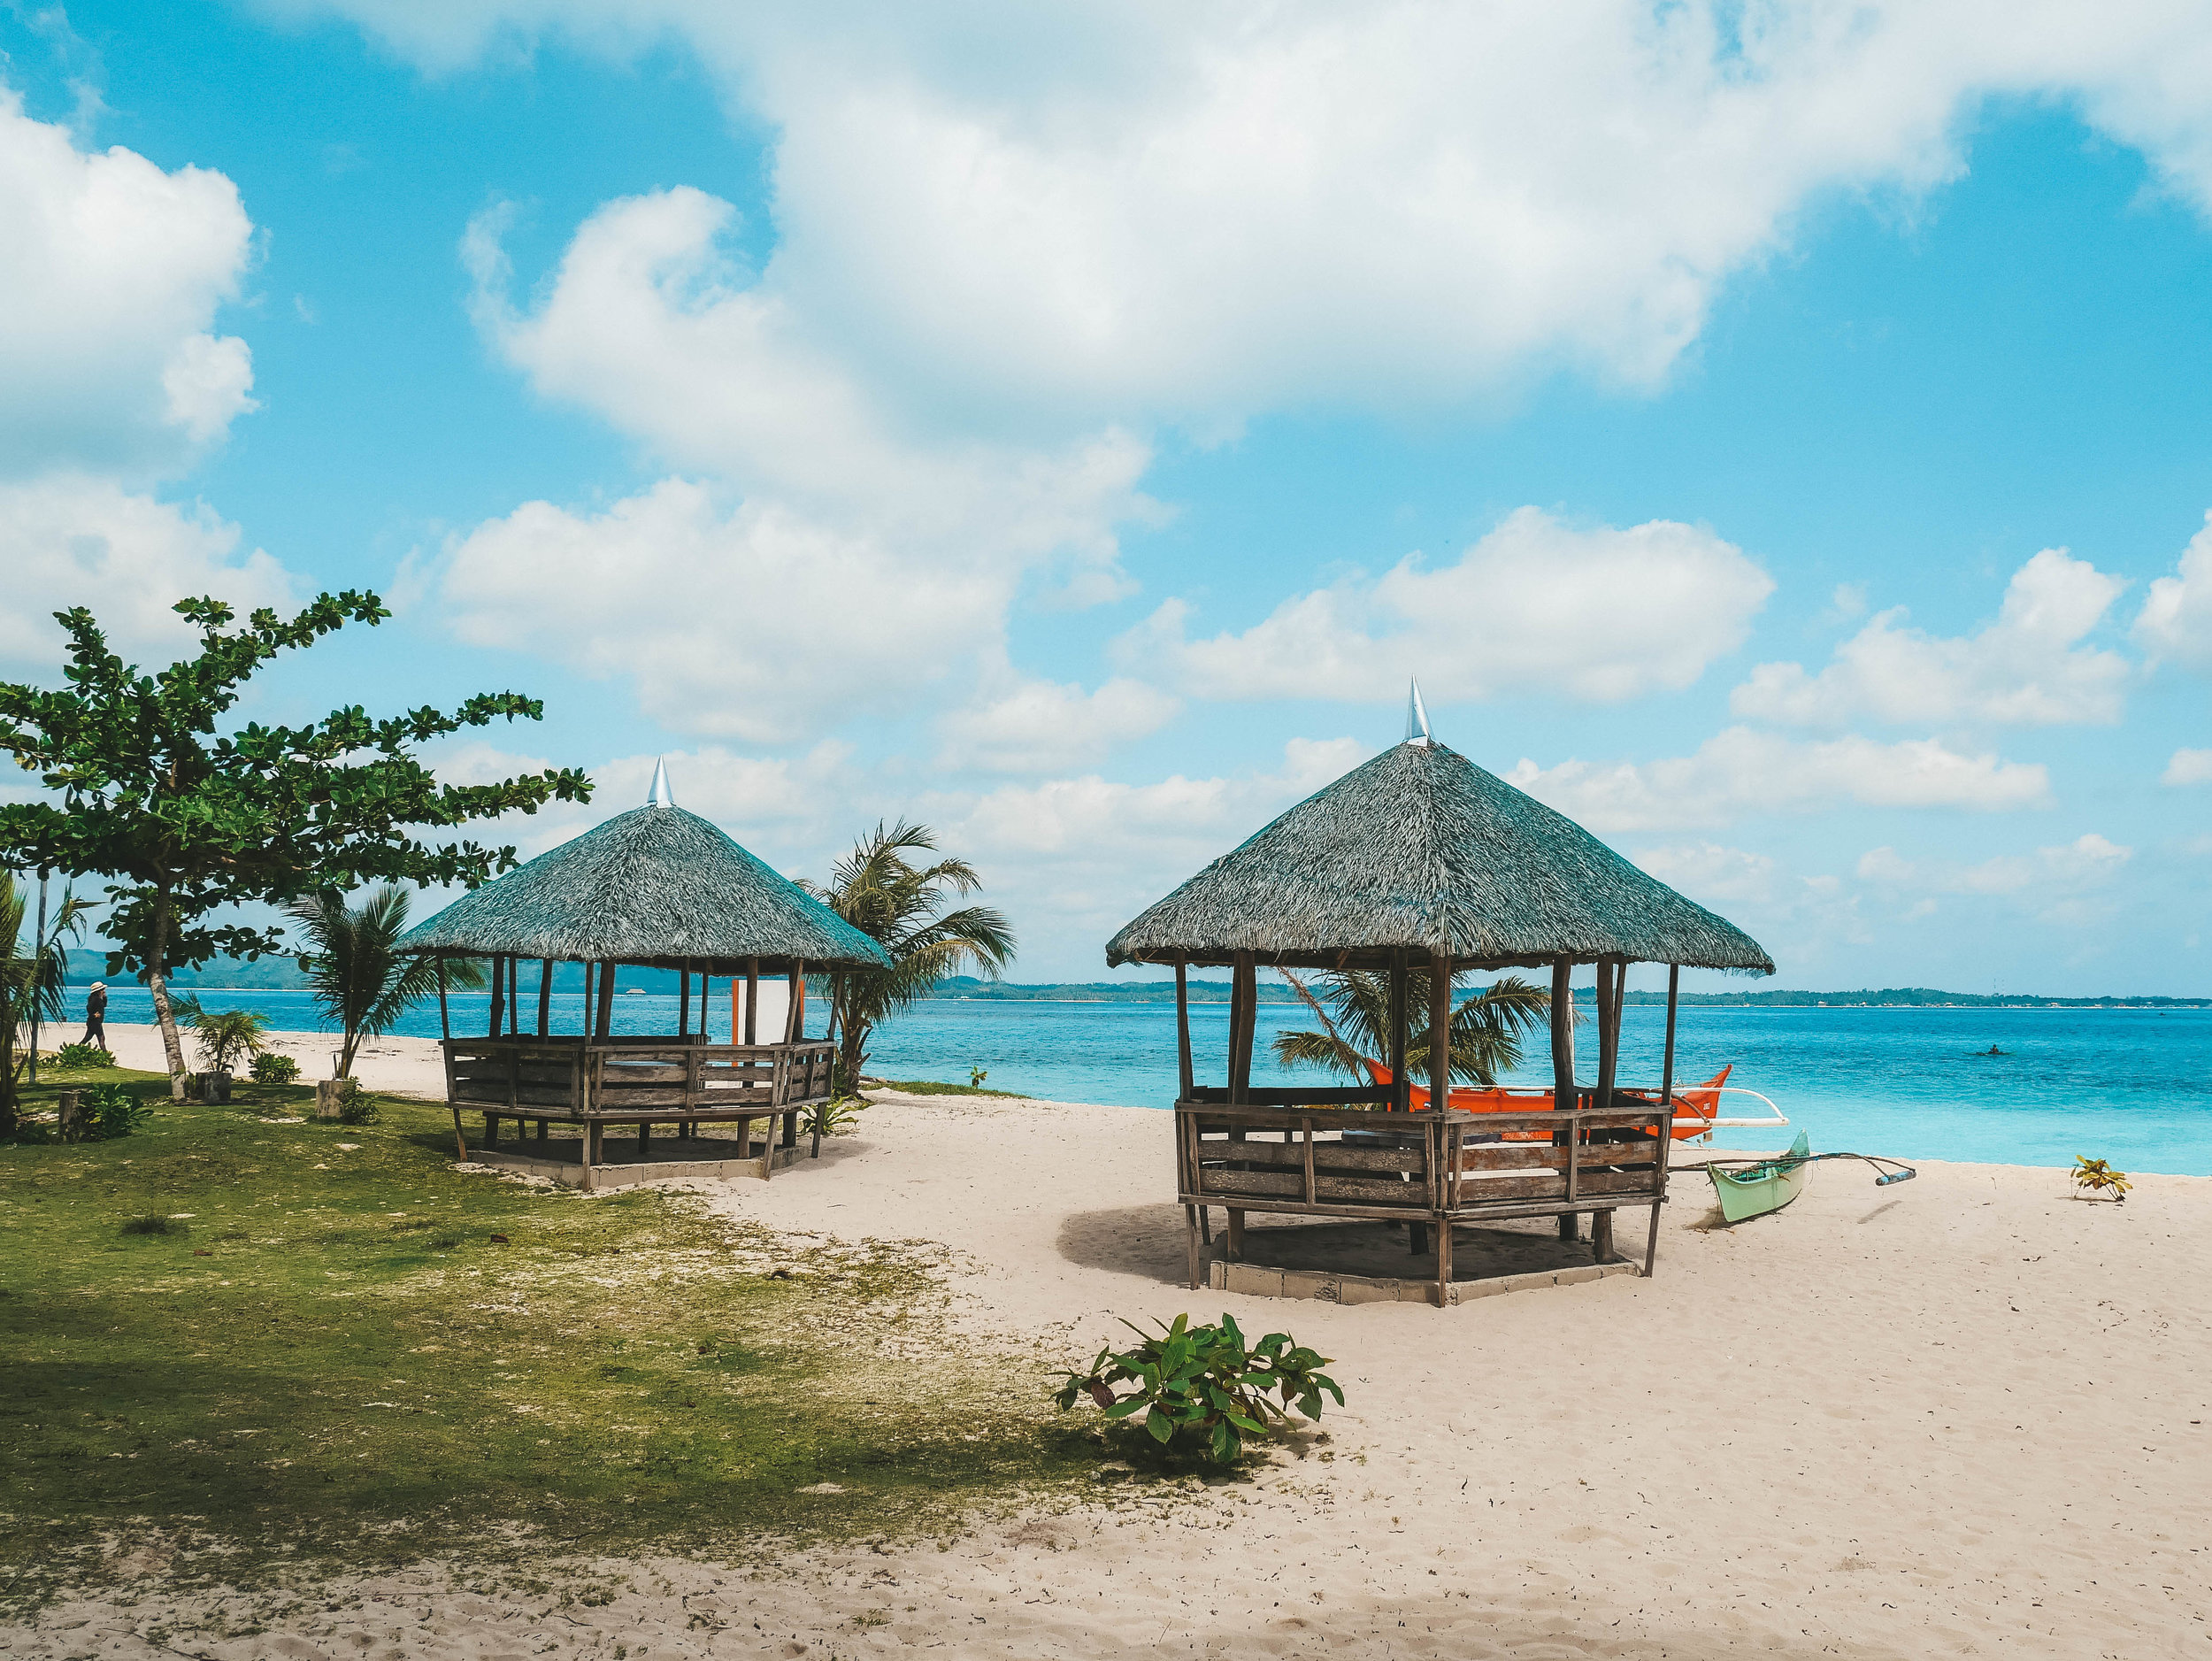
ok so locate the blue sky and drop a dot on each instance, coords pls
(1775, 436)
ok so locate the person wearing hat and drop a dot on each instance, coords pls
(96, 1015)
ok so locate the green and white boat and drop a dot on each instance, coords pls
(1754, 1190)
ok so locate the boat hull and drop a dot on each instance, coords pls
(1765, 1187)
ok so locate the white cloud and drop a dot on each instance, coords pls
(111, 273)
(2188, 767)
(1043, 726)
(68, 540)
(2050, 880)
(1794, 917)
(2176, 622)
(1741, 771)
(1153, 209)
(2026, 668)
(1603, 614)
(1712, 873)
(750, 622)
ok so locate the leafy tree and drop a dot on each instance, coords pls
(31, 975)
(186, 820)
(1353, 1008)
(225, 1037)
(358, 978)
(880, 891)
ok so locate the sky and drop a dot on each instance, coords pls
(1778, 436)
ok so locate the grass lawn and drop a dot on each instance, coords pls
(931, 1086)
(348, 1354)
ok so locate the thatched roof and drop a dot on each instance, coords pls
(655, 887)
(1420, 848)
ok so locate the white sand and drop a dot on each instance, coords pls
(406, 1066)
(1966, 1415)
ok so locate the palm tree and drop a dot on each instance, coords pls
(899, 905)
(30, 982)
(361, 982)
(1353, 1009)
(225, 1036)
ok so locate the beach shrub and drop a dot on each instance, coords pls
(269, 1067)
(72, 1057)
(356, 1106)
(224, 1037)
(106, 1111)
(1203, 1383)
(154, 1223)
(976, 1075)
(838, 1117)
(2094, 1176)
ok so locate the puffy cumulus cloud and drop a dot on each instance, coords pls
(2188, 767)
(68, 540)
(1600, 614)
(711, 598)
(2026, 668)
(1800, 919)
(717, 615)
(648, 323)
(1044, 726)
(111, 273)
(1742, 772)
(2176, 622)
(1200, 212)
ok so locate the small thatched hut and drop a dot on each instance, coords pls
(1420, 857)
(654, 888)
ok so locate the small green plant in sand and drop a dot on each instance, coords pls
(223, 1037)
(837, 1117)
(1205, 1384)
(2095, 1178)
(269, 1067)
(976, 1075)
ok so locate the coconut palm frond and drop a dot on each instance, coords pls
(1353, 1006)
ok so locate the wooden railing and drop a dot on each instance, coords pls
(632, 1078)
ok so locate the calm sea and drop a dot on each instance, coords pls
(2132, 1086)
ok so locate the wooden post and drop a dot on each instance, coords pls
(683, 1005)
(1563, 1075)
(1665, 1154)
(545, 996)
(445, 1025)
(1439, 1030)
(514, 997)
(499, 972)
(1401, 1087)
(1190, 1231)
(704, 979)
(1244, 992)
(460, 1142)
(1183, 1063)
(1666, 1072)
(752, 998)
(1612, 980)
(606, 1002)
(795, 1005)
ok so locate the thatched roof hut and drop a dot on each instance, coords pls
(657, 887)
(1421, 849)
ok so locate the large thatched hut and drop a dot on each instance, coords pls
(655, 887)
(1421, 860)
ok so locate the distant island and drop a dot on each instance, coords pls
(284, 973)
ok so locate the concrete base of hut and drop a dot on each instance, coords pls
(1368, 1263)
(702, 1158)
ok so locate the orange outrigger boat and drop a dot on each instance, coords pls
(1696, 1106)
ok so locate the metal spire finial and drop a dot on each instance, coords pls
(662, 795)
(1416, 717)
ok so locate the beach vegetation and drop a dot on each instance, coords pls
(1204, 1384)
(106, 1112)
(1353, 1006)
(890, 889)
(273, 1067)
(188, 817)
(361, 982)
(2095, 1179)
(223, 1037)
(31, 975)
(82, 1057)
(384, 1360)
(838, 1117)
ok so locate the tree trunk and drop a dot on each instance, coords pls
(158, 984)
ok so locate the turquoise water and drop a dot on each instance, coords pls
(2132, 1086)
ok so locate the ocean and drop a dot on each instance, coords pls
(2131, 1086)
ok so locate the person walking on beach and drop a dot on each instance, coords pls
(96, 1015)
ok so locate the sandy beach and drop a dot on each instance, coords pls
(1967, 1415)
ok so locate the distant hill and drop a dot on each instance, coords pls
(1273, 991)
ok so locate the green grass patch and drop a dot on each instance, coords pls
(931, 1086)
(251, 1341)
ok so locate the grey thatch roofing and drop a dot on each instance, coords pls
(654, 886)
(1420, 848)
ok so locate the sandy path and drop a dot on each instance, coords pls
(1965, 1416)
